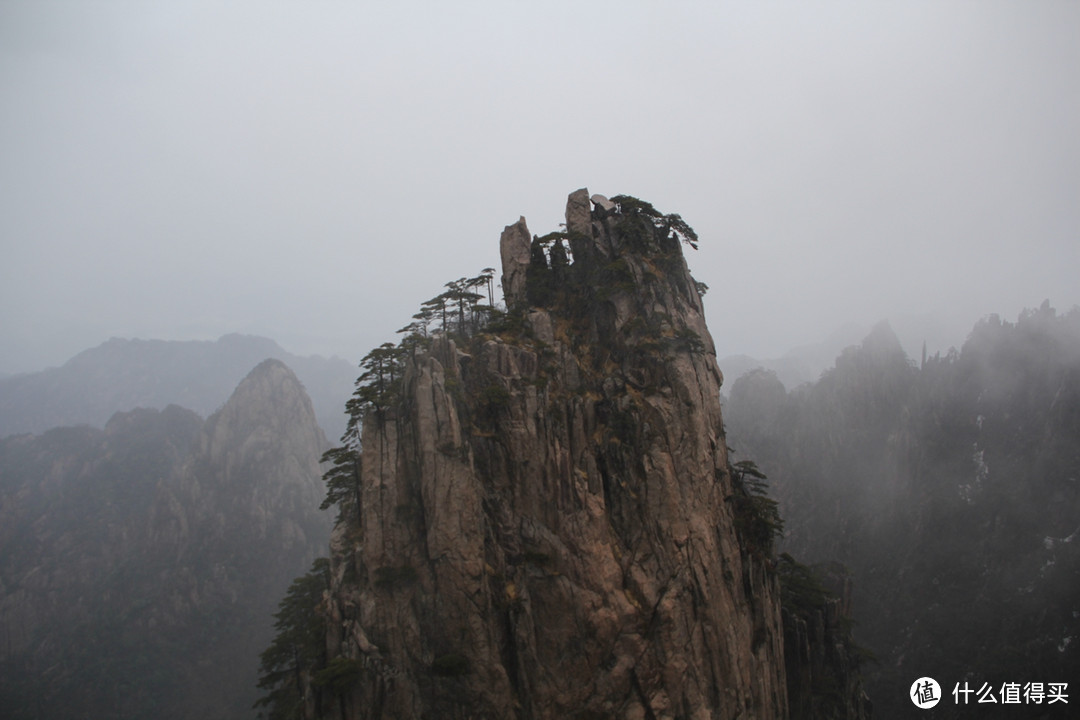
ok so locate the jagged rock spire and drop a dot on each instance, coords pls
(579, 213)
(514, 249)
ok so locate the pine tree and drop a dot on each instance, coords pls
(298, 650)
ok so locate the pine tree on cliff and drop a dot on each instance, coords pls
(343, 479)
(376, 388)
(289, 665)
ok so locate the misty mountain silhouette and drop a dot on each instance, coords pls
(122, 374)
(140, 564)
(950, 491)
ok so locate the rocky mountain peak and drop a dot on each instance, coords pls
(881, 342)
(544, 523)
(123, 374)
(268, 406)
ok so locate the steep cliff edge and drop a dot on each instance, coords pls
(542, 526)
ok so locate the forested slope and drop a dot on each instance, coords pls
(950, 490)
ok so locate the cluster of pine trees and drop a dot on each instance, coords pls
(296, 675)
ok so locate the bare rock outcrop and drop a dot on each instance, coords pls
(514, 250)
(603, 203)
(544, 524)
(579, 213)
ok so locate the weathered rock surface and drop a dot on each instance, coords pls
(603, 203)
(579, 213)
(514, 251)
(545, 529)
(140, 565)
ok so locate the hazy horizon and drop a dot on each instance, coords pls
(912, 332)
(311, 174)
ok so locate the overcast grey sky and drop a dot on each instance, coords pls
(313, 171)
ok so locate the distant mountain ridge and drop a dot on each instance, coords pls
(806, 363)
(122, 374)
(949, 487)
(140, 564)
(799, 365)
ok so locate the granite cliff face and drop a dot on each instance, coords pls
(545, 518)
(140, 564)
